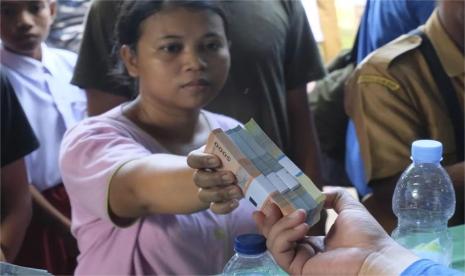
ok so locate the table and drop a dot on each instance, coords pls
(458, 253)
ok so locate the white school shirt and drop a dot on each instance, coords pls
(51, 104)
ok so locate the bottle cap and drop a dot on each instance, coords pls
(250, 244)
(426, 151)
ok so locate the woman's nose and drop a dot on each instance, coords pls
(194, 60)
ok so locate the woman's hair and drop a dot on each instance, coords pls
(128, 27)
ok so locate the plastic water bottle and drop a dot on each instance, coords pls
(423, 201)
(251, 258)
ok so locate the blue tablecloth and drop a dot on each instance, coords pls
(458, 254)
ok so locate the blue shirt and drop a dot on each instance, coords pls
(384, 20)
(428, 267)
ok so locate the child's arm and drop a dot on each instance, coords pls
(159, 183)
(16, 209)
(47, 211)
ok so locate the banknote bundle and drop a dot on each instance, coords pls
(263, 172)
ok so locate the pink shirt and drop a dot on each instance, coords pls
(199, 243)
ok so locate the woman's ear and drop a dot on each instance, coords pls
(130, 60)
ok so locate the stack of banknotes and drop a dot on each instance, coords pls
(264, 173)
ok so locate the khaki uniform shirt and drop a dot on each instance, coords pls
(393, 100)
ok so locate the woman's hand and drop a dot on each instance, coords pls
(216, 187)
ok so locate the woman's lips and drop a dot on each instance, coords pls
(196, 85)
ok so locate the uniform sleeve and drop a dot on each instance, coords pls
(303, 62)
(429, 268)
(94, 63)
(18, 139)
(385, 119)
(90, 154)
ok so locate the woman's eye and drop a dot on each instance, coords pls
(171, 48)
(213, 46)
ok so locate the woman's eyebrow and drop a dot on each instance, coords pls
(212, 34)
(170, 37)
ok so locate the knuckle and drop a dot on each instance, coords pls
(195, 176)
(190, 163)
(219, 208)
(202, 196)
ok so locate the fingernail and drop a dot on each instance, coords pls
(212, 161)
(234, 203)
(227, 178)
(295, 214)
(304, 226)
(234, 193)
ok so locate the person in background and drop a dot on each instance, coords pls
(355, 245)
(393, 99)
(382, 22)
(17, 141)
(273, 57)
(40, 77)
(135, 207)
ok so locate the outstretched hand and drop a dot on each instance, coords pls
(216, 187)
(355, 238)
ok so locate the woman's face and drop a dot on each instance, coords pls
(182, 58)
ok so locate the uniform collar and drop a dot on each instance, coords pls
(447, 51)
(26, 65)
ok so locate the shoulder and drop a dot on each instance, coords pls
(391, 52)
(104, 10)
(64, 55)
(104, 5)
(102, 128)
(293, 7)
(390, 65)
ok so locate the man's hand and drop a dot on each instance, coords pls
(355, 243)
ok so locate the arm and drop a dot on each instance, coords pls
(99, 101)
(94, 63)
(161, 183)
(379, 204)
(302, 64)
(47, 211)
(456, 173)
(305, 148)
(16, 208)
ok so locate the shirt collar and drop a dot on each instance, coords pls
(447, 51)
(26, 65)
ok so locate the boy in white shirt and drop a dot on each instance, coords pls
(41, 77)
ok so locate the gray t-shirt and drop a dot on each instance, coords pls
(272, 51)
